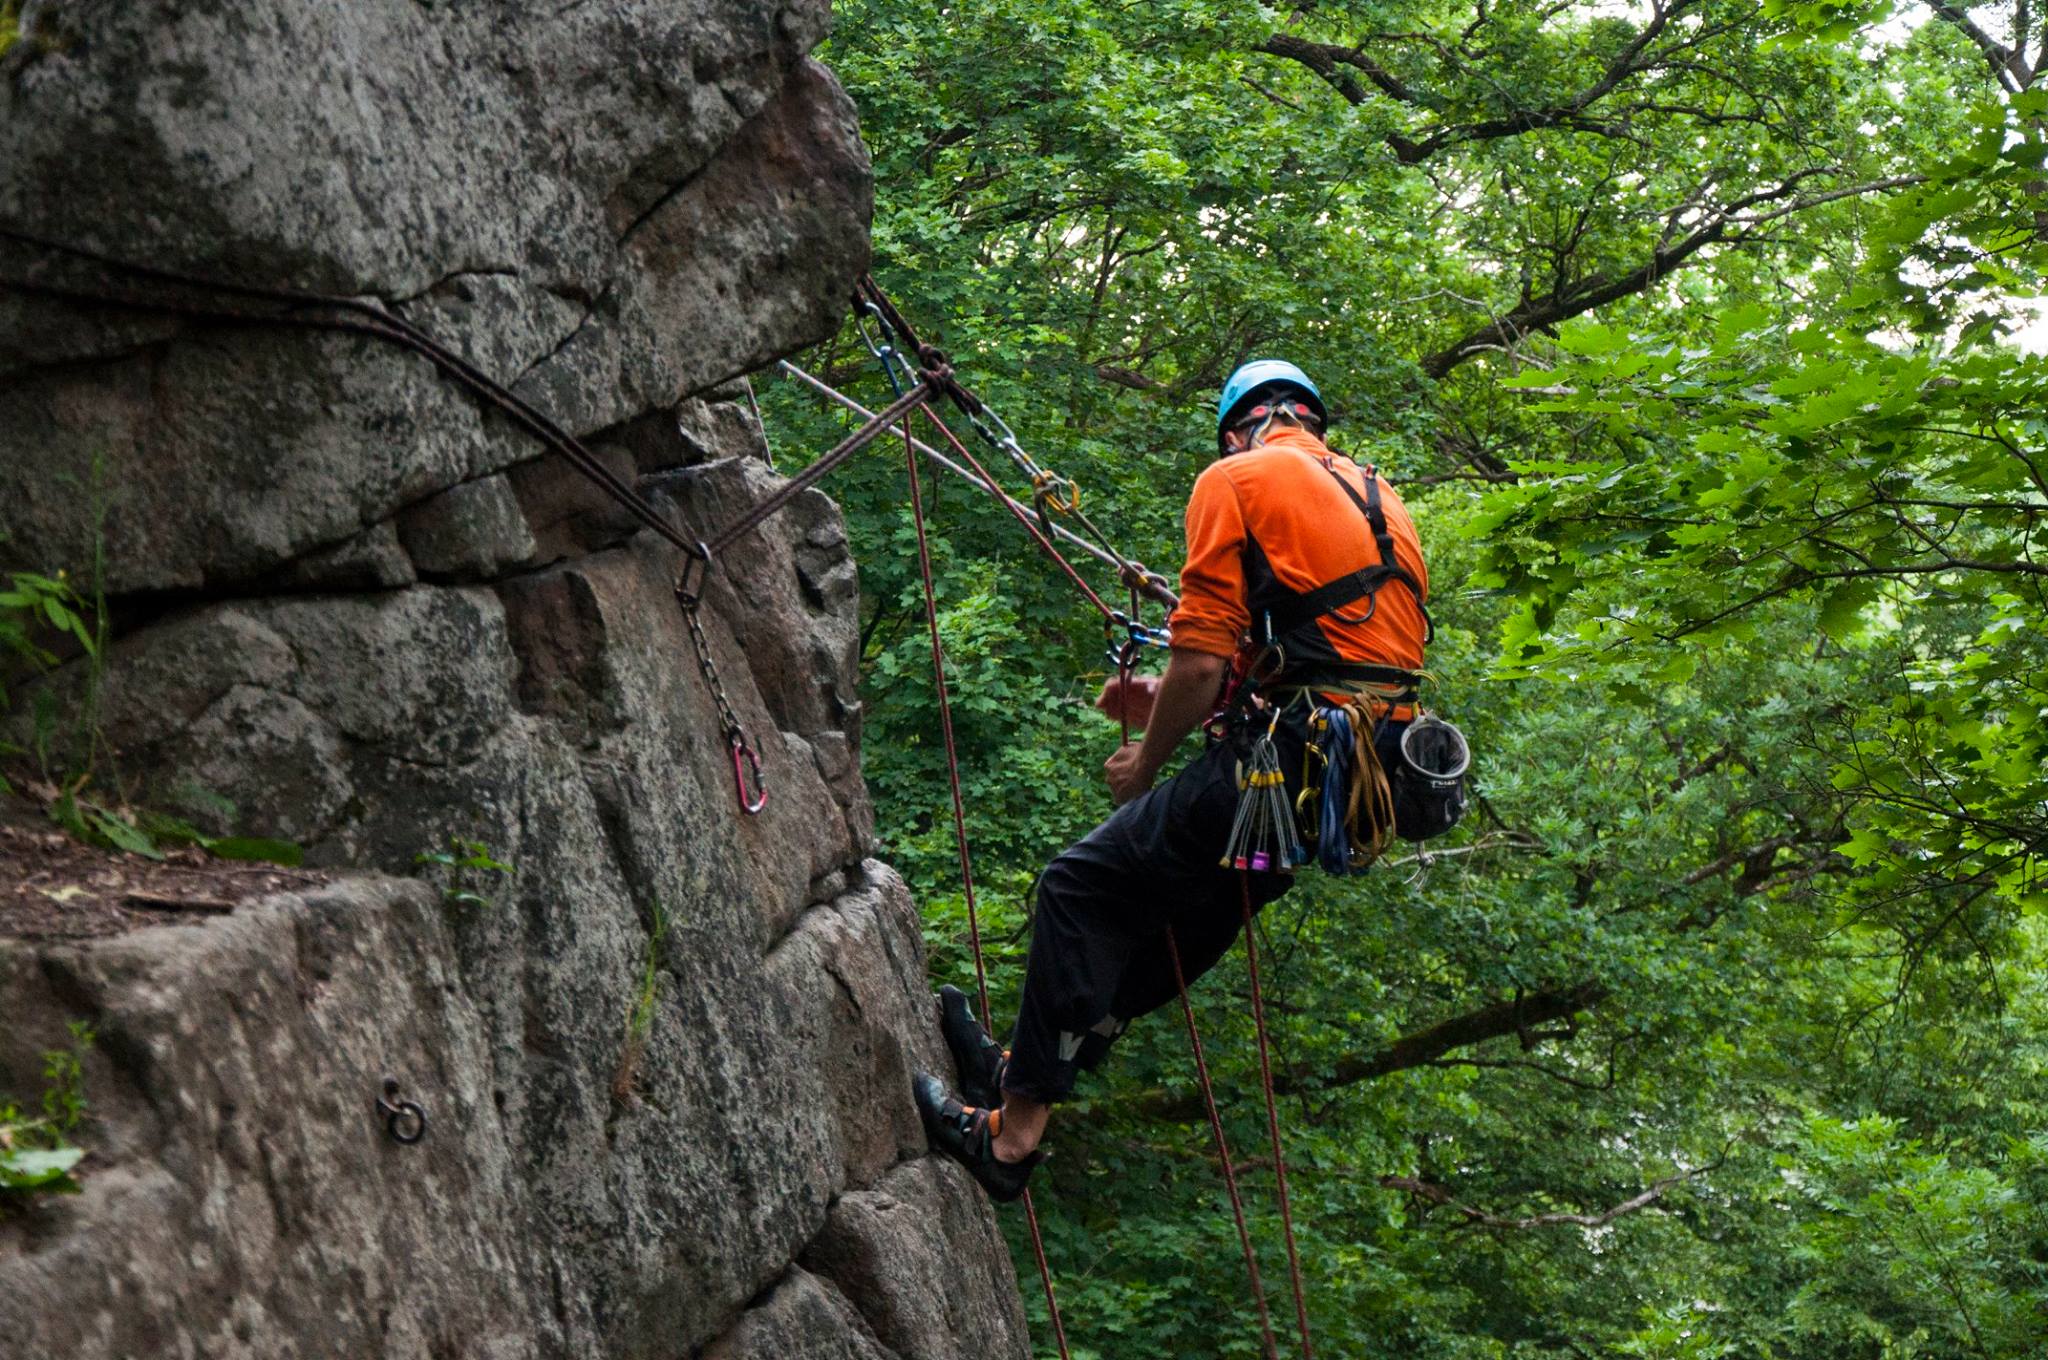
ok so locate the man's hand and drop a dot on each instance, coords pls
(1129, 699)
(1127, 773)
(1174, 706)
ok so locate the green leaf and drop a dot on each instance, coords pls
(1844, 606)
(37, 1168)
(121, 834)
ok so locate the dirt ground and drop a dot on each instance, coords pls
(53, 887)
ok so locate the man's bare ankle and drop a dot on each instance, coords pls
(1010, 1147)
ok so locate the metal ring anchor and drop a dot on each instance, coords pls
(404, 1120)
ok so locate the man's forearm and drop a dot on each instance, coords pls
(1187, 695)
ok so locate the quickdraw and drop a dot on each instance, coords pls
(1263, 837)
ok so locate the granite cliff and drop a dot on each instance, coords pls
(361, 610)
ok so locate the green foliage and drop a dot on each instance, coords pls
(1686, 332)
(10, 24)
(36, 1154)
(32, 607)
(640, 1014)
(78, 786)
(463, 870)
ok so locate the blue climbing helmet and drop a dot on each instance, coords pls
(1258, 377)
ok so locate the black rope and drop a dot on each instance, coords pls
(320, 311)
(317, 311)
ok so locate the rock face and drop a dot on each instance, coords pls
(357, 609)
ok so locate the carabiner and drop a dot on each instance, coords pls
(746, 766)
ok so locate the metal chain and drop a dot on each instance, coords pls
(746, 761)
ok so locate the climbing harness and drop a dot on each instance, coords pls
(1285, 613)
(1350, 807)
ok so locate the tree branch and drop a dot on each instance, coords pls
(1324, 58)
(1438, 1195)
(1635, 58)
(1503, 1018)
(1724, 223)
(2006, 65)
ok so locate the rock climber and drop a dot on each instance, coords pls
(1289, 547)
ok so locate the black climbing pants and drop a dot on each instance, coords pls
(1098, 946)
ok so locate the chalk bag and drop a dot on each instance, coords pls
(1429, 779)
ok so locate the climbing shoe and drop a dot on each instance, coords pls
(979, 1059)
(966, 1133)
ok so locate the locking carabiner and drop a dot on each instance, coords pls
(746, 768)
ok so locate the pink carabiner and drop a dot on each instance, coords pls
(745, 765)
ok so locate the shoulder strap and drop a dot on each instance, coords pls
(1307, 606)
(1370, 508)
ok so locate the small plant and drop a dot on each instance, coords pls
(462, 868)
(36, 1154)
(148, 833)
(38, 609)
(32, 607)
(640, 1015)
(10, 24)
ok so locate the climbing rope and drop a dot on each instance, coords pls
(1244, 1235)
(1051, 492)
(931, 615)
(887, 352)
(120, 283)
(1251, 958)
(1156, 589)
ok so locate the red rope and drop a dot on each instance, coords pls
(1187, 1010)
(931, 614)
(1037, 534)
(1244, 1235)
(974, 929)
(1251, 958)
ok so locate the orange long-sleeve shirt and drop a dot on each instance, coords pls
(1274, 514)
